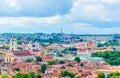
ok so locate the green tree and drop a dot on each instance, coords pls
(19, 75)
(38, 59)
(100, 75)
(77, 76)
(38, 75)
(29, 60)
(16, 69)
(53, 62)
(113, 75)
(61, 62)
(4, 76)
(20, 48)
(43, 68)
(81, 64)
(66, 73)
(70, 65)
(77, 59)
(32, 74)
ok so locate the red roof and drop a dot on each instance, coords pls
(21, 65)
(46, 58)
(90, 44)
(22, 53)
(81, 50)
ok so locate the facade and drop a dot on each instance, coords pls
(14, 55)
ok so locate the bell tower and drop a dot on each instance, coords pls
(13, 44)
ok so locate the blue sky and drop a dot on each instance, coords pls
(48, 16)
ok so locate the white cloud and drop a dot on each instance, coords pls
(26, 21)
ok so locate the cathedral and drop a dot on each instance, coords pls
(13, 55)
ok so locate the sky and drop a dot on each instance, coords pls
(49, 16)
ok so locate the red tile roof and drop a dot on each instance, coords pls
(22, 53)
(81, 50)
(46, 58)
(21, 65)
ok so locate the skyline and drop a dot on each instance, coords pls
(49, 16)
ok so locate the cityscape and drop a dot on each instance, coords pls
(59, 39)
(58, 55)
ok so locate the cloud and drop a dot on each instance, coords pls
(23, 21)
(34, 8)
(77, 16)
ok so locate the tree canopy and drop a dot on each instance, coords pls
(77, 59)
(111, 57)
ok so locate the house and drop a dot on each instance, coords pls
(18, 56)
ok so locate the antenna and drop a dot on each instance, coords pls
(61, 30)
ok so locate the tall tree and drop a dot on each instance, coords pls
(43, 68)
(77, 59)
(100, 75)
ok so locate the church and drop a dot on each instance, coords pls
(13, 55)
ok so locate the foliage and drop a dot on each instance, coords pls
(81, 64)
(77, 59)
(70, 65)
(19, 42)
(4, 76)
(66, 73)
(43, 68)
(114, 75)
(32, 74)
(69, 49)
(110, 43)
(61, 62)
(1, 53)
(100, 75)
(45, 44)
(20, 48)
(19, 75)
(59, 54)
(38, 59)
(111, 57)
(29, 60)
(53, 62)
(16, 69)
(38, 75)
(5, 47)
(77, 76)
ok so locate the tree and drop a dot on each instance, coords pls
(29, 60)
(100, 75)
(77, 59)
(16, 69)
(70, 65)
(61, 62)
(19, 75)
(43, 68)
(77, 76)
(38, 59)
(59, 54)
(32, 74)
(113, 75)
(4, 76)
(81, 64)
(38, 75)
(53, 62)
(66, 73)
(20, 48)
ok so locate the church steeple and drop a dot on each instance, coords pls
(13, 44)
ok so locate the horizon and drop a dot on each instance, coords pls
(49, 16)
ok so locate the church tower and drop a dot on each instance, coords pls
(13, 44)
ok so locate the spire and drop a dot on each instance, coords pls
(61, 30)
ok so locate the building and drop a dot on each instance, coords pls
(14, 55)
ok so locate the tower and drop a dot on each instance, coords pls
(61, 31)
(13, 44)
